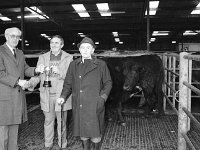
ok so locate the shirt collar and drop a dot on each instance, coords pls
(56, 55)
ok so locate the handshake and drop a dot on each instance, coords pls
(24, 84)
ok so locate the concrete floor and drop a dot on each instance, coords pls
(138, 134)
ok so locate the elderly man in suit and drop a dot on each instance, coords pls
(13, 68)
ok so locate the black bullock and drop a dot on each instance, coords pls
(145, 72)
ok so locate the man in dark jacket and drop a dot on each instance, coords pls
(89, 81)
(13, 67)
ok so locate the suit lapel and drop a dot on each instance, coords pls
(8, 51)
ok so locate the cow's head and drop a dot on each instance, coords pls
(132, 72)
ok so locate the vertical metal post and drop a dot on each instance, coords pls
(173, 79)
(189, 90)
(22, 26)
(165, 87)
(61, 138)
(183, 95)
(169, 75)
(148, 23)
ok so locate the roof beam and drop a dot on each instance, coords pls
(64, 2)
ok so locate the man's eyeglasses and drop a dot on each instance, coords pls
(15, 36)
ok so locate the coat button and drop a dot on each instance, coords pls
(80, 105)
(81, 91)
(79, 76)
(18, 90)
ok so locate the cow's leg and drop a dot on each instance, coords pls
(160, 103)
(147, 106)
(108, 112)
(142, 101)
(120, 116)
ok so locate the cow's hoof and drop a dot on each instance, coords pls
(158, 116)
(110, 119)
(123, 124)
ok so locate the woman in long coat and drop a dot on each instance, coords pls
(89, 81)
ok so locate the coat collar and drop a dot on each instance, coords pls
(91, 66)
(93, 60)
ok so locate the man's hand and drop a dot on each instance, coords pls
(28, 85)
(22, 83)
(40, 68)
(60, 101)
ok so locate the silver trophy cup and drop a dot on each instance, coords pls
(47, 82)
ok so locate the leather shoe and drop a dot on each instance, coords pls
(48, 148)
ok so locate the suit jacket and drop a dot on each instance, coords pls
(13, 108)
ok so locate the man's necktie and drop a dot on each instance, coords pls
(14, 51)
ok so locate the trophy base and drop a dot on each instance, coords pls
(47, 84)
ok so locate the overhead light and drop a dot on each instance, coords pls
(80, 9)
(196, 10)
(173, 42)
(103, 9)
(5, 18)
(153, 6)
(188, 32)
(96, 43)
(84, 14)
(82, 35)
(160, 33)
(35, 11)
(152, 39)
(121, 42)
(115, 34)
(117, 40)
(151, 12)
(102, 6)
(33, 16)
(43, 34)
(105, 14)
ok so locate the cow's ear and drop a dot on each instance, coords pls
(117, 68)
(141, 69)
